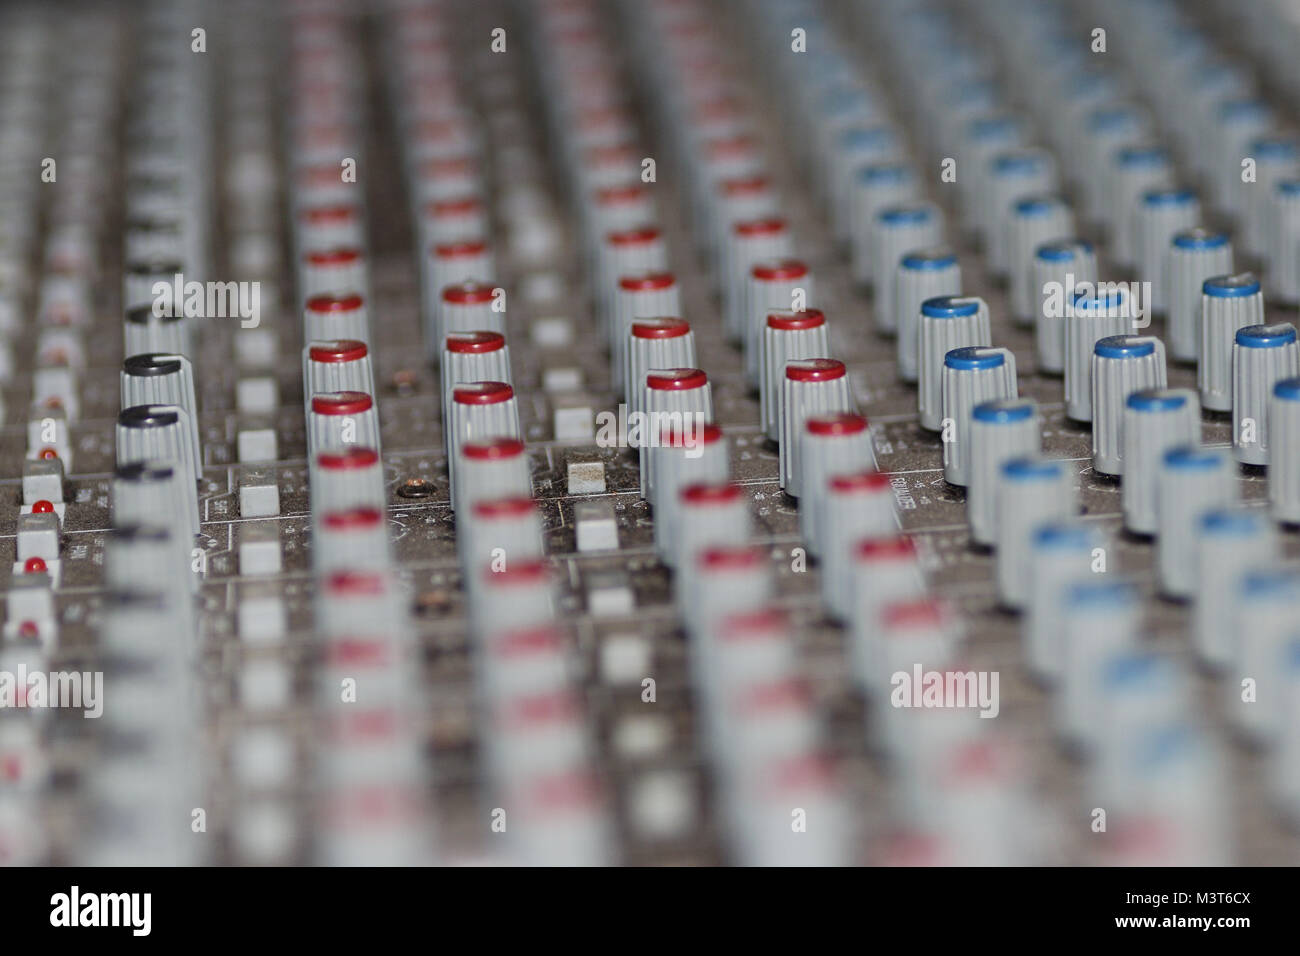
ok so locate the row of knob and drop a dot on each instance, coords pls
(1117, 359)
(1135, 420)
(151, 630)
(872, 580)
(537, 746)
(373, 751)
(62, 112)
(756, 722)
(742, 661)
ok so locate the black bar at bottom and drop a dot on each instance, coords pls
(239, 906)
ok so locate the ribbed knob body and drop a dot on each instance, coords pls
(921, 275)
(983, 138)
(1194, 255)
(338, 365)
(149, 495)
(727, 579)
(1031, 490)
(146, 555)
(884, 572)
(875, 188)
(1191, 481)
(333, 271)
(674, 398)
(1060, 554)
(858, 506)
(1012, 175)
(679, 458)
(816, 386)
(1100, 619)
(1267, 599)
(1034, 221)
(468, 307)
(1277, 158)
(332, 317)
(355, 539)
(1229, 541)
(1121, 365)
(1059, 267)
(831, 445)
(1159, 215)
(857, 147)
(1284, 244)
(643, 296)
(1228, 303)
(347, 477)
(508, 528)
(971, 376)
(745, 199)
(748, 243)
(479, 410)
(708, 516)
(162, 434)
(774, 286)
(518, 596)
(342, 418)
(655, 343)
(491, 467)
(1154, 421)
(151, 492)
(946, 323)
(1234, 124)
(1262, 355)
(896, 231)
(450, 264)
(1090, 318)
(145, 333)
(1109, 127)
(162, 379)
(787, 336)
(1134, 170)
(631, 252)
(1284, 461)
(1000, 430)
(471, 357)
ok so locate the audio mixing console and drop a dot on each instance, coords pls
(568, 432)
